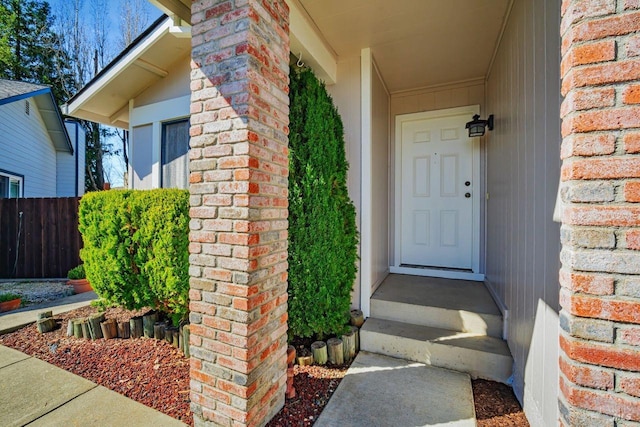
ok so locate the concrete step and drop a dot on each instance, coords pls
(458, 305)
(478, 355)
(438, 317)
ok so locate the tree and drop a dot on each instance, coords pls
(86, 46)
(322, 230)
(100, 36)
(6, 23)
(133, 21)
(66, 52)
(29, 48)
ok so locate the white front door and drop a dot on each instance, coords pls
(438, 190)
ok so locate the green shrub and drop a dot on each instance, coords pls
(136, 248)
(76, 273)
(322, 229)
(9, 297)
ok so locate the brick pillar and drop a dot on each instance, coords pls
(600, 276)
(238, 184)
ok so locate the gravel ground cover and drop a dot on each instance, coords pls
(36, 292)
(156, 374)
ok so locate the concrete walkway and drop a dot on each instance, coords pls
(36, 393)
(383, 391)
(377, 391)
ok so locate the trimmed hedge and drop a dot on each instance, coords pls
(136, 248)
(322, 219)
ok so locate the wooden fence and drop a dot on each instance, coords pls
(39, 238)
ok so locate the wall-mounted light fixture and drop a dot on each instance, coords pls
(476, 126)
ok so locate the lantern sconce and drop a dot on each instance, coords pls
(476, 126)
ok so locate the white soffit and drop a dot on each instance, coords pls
(304, 36)
(306, 41)
(416, 43)
(106, 98)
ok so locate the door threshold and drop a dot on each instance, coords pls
(437, 272)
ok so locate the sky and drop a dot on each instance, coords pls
(113, 165)
(113, 14)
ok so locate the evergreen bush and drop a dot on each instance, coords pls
(322, 219)
(136, 248)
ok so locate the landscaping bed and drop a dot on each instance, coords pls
(156, 374)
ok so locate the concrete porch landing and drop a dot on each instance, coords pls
(459, 305)
(383, 391)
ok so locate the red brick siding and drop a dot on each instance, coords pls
(238, 184)
(600, 296)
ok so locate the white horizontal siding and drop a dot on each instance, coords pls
(82, 148)
(65, 176)
(66, 164)
(26, 149)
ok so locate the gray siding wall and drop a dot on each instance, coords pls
(523, 167)
(379, 181)
(26, 149)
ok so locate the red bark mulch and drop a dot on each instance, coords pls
(496, 405)
(156, 374)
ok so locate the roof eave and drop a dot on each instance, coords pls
(53, 121)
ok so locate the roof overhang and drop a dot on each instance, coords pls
(105, 99)
(306, 41)
(415, 43)
(50, 114)
(180, 8)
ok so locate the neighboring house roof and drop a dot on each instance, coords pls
(105, 99)
(12, 91)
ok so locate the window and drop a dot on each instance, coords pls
(10, 186)
(175, 158)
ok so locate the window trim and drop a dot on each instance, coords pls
(16, 177)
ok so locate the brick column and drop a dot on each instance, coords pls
(600, 276)
(238, 184)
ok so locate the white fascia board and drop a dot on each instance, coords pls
(181, 32)
(305, 39)
(173, 7)
(118, 68)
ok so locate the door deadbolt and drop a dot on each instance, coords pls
(467, 183)
(467, 195)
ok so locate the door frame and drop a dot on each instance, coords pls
(474, 274)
